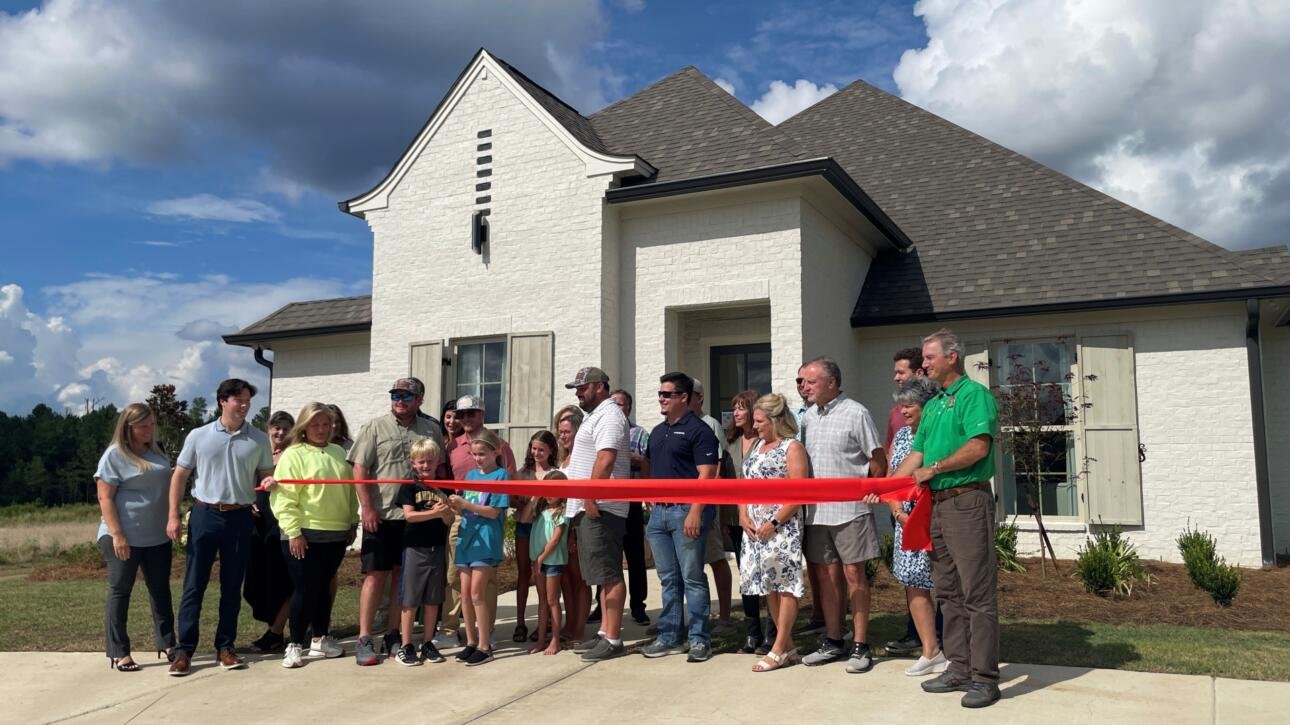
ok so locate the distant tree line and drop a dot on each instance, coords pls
(50, 458)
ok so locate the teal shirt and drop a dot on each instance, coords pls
(544, 527)
(962, 411)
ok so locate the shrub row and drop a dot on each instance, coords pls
(1109, 564)
(1206, 569)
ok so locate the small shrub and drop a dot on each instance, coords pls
(888, 549)
(1005, 547)
(1109, 564)
(1206, 569)
(871, 569)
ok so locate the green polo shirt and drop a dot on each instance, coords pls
(957, 414)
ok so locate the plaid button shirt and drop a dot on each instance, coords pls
(839, 437)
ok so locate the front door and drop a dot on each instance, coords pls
(736, 368)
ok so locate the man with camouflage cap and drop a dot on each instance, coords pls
(381, 451)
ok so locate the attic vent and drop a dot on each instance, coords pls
(483, 170)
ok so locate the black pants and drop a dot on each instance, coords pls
(155, 562)
(634, 551)
(311, 599)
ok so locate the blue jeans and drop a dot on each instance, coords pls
(227, 533)
(679, 561)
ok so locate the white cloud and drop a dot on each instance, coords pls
(112, 338)
(1177, 108)
(208, 207)
(782, 101)
(725, 85)
(632, 6)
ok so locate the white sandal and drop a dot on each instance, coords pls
(779, 660)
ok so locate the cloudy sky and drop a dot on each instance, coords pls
(169, 171)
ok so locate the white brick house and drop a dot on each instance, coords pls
(517, 240)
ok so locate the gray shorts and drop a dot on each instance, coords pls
(600, 548)
(854, 542)
(424, 576)
(714, 548)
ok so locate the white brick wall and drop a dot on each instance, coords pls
(833, 271)
(329, 369)
(1193, 415)
(542, 270)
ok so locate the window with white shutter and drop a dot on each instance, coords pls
(1110, 430)
(426, 363)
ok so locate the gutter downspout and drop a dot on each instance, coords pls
(1262, 484)
(259, 357)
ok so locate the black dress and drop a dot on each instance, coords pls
(268, 584)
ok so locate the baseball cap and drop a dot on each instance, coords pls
(470, 402)
(588, 375)
(411, 385)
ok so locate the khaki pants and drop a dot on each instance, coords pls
(450, 619)
(965, 571)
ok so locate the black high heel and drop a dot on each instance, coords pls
(168, 653)
(116, 664)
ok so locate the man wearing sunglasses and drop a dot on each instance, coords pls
(381, 451)
(682, 446)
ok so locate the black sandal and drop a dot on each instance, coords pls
(521, 632)
(119, 666)
(269, 642)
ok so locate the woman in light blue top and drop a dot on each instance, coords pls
(133, 481)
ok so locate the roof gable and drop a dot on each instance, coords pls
(687, 126)
(565, 122)
(993, 229)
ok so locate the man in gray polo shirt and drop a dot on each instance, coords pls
(843, 442)
(229, 456)
(602, 449)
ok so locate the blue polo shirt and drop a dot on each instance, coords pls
(677, 450)
(226, 462)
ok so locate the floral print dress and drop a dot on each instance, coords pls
(774, 565)
(912, 568)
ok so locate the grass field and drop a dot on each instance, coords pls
(68, 616)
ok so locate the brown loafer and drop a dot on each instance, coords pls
(180, 665)
(229, 660)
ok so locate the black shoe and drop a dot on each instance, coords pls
(903, 647)
(407, 656)
(268, 642)
(765, 647)
(466, 652)
(594, 617)
(479, 657)
(640, 617)
(947, 682)
(751, 643)
(391, 642)
(980, 694)
(430, 653)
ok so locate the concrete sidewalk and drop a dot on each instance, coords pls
(517, 687)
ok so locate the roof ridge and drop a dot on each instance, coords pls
(1182, 235)
(658, 82)
(765, 127)
(516, 71)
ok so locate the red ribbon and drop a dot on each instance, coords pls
(788, 491)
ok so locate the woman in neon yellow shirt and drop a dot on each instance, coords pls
(318, 523)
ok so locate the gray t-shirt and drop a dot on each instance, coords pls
(142, 495)
(226, 462)
(606, 428)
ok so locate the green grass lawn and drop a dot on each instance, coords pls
(68, 616)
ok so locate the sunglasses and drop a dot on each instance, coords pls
(670, 393)
(401, 397)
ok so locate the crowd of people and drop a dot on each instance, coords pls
(430, 551)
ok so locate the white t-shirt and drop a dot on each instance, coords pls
(606, 428)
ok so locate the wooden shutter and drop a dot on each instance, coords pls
(426, 362)
(977, 365)
(529, 385)
(1111, 430)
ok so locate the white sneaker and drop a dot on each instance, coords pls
(325, 646)
(924, 666)
(292, 658)
(444, 641)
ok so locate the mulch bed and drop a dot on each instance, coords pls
(1170, 598)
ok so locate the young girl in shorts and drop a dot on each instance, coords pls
(549, 549)
(479, 546)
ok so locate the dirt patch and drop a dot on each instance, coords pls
(27, 542)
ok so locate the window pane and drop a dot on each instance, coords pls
(1057, 494)
(494, 362)
(469, 364)
(759, 372)
(492, 396)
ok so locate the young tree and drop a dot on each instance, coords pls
(261, 419)
(1034, 409)
(173, 420)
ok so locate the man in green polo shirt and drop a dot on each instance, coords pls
(953, 455)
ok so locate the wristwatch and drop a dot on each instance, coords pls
(936, 467)
(776, 522)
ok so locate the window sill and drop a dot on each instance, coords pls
(1064, 525)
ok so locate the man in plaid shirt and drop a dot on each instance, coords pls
(843, 442)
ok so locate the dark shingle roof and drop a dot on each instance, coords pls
(1272, 262)
(991, 228)
(568, 116)
(686, 126)
(316, 317)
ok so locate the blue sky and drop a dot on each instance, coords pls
(170, 171)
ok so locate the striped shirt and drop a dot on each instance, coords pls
(604, 429)
(839, 437)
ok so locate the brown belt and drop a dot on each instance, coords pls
(221, 506)
(938, 496)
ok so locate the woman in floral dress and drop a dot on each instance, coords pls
(771, 561)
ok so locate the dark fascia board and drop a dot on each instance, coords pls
(344, 205)
(250, 339)
(1227, 295)
(825, 167)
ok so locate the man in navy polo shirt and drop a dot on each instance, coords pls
(682, 446)
(229, 456)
